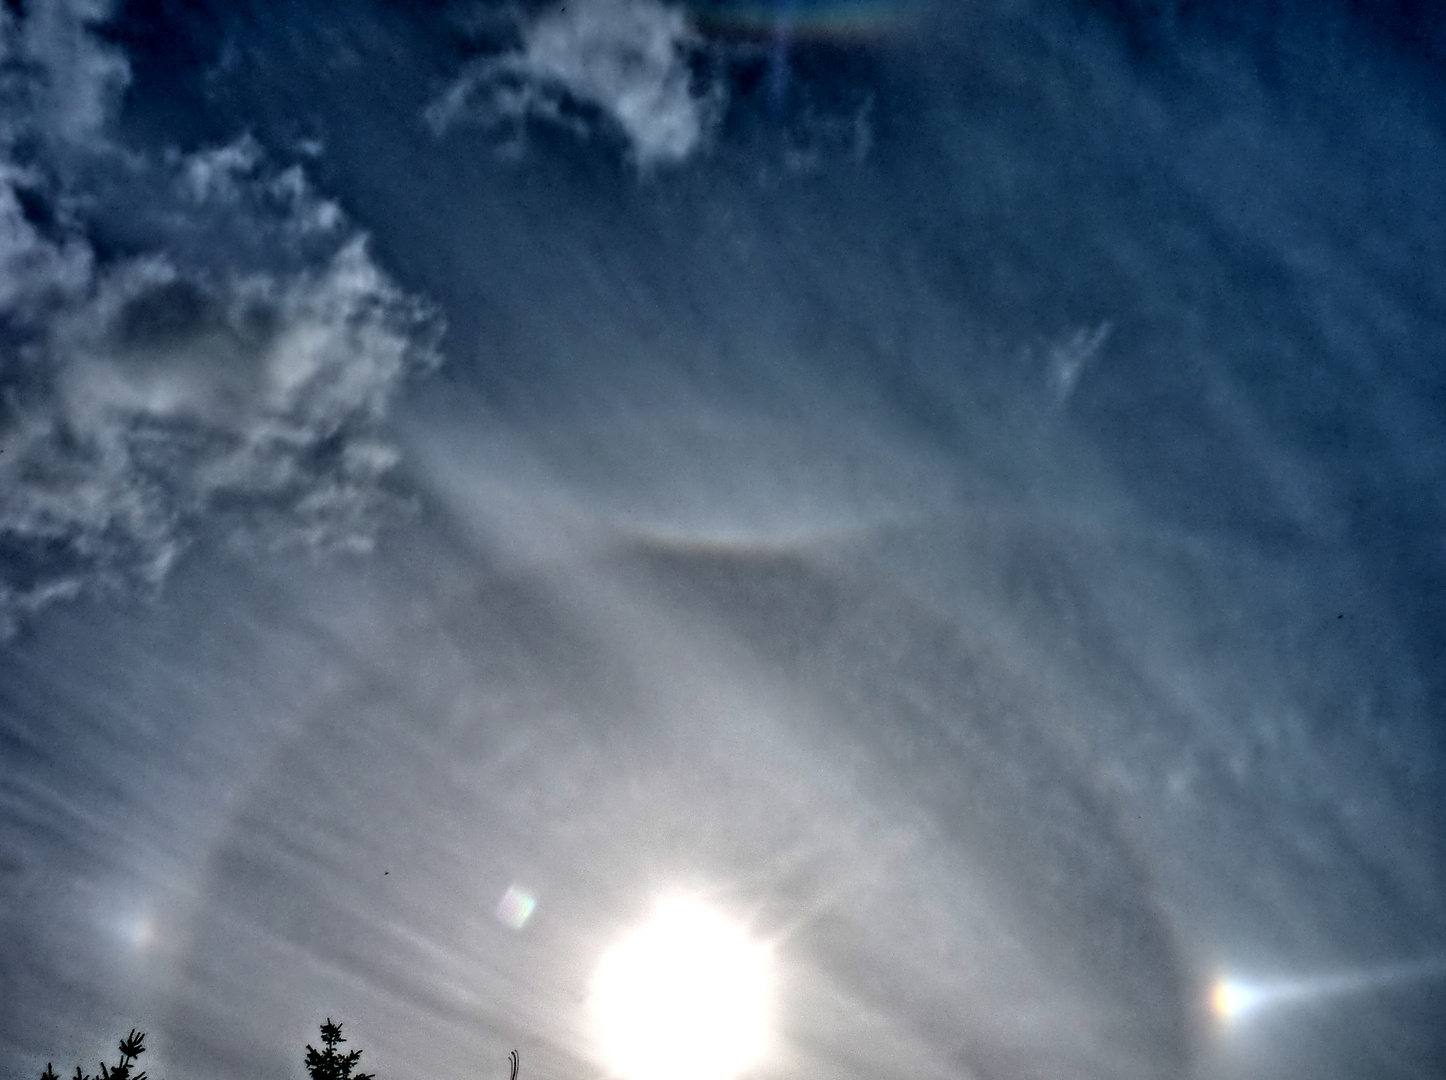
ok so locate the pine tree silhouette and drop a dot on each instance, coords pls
(131, 1047)
(327, 1064)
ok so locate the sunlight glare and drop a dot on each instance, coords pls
(686, 996)
(1230, 999)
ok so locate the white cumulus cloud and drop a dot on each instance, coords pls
(628, 59)
(230, 375)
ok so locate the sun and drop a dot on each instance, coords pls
(685, 996)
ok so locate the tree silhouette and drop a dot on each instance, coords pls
(328, 1064)
(131, 1047)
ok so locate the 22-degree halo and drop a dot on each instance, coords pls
(685, 996)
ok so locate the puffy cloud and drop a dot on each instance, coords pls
(231, 375)
(629, 59)
(62, 81)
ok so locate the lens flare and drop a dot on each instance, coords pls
(515, 907)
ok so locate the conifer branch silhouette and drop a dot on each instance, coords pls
(326, 1064)
(131, 1048)
(329, 1064)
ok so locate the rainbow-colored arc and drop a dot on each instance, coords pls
(827, 21)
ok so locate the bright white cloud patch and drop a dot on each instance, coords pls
(626, 58)
(235, 373)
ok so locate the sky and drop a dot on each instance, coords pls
(955, 491)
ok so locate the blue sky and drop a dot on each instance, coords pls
(960, 492)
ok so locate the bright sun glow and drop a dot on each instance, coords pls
(1230, 1000)
(685, 996)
